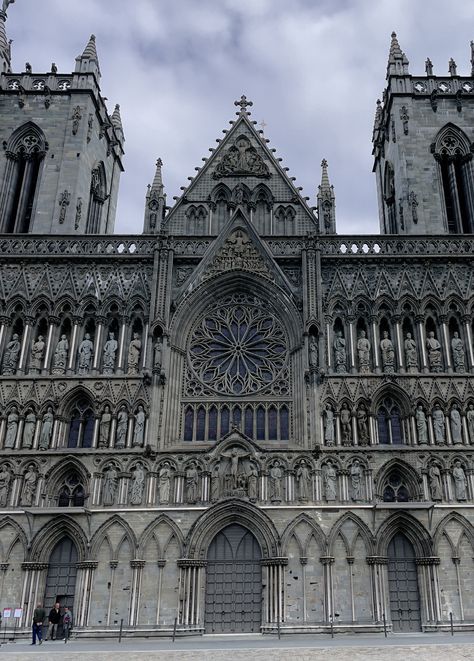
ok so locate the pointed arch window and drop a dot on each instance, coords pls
(98, 195)
(25, 152)
(389, 197)
(395, 489)
(81, 426)
(453, 153)
(389, 423)
(71, 492)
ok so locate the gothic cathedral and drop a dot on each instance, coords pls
(239, 420)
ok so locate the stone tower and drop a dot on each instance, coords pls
(422, 149)
(62, 156)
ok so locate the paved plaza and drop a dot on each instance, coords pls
(420, 647)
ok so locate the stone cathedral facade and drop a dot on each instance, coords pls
(238, 419)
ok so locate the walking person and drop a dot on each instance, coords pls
(38, 618)
(67, 623)
(53, 621)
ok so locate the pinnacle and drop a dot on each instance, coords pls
(90, 51)
(395, 50)
(116, 118)
(325, 185)
(158, 180)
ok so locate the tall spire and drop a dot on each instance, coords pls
(155, 203)
(5, 52)
(116, 121)
(397, 60)
(326, 202)
(88, 62)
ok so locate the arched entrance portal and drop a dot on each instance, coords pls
(403, 585)
(234, 582)
(61, 578)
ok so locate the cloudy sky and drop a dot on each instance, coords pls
(313, 69)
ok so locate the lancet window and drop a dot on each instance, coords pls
(98, 195)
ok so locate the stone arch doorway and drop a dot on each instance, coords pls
(61, 577)
(234, 582)
(404, 593)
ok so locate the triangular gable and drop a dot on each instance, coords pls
(243, 154)
(238, 248)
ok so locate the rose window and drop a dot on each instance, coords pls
(238, 347)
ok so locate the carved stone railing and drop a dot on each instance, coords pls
(107, 246)
(406, 246)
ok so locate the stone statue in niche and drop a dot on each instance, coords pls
(434, 480)
(122, 425)
(110, 485)
(164, 483)
(235, 477)
(339, 346)
(388, 354)
(421, 425)
(134, 351)
(157, 354)
(30, 481)
(215, 483)
(303, 479)
(60, 356)
(252, 482)
(434, 352)
(362, 425)
(313, 353)
(470, 422)
(137, 486)
(29, 430)
(110, 350)
(104, 427)
(330, 482)
(275, 476)
(85, 351)
(411, 357)
(139, 429)
(460, 481)
(241, 159)
(356, 480)
(10, 357)
(329, 435)
(346, 426)
(456, 424)
(363, 352)
(439, 425)
(12, 428)
(457, 349)
(37, 354)
(46, 429)
(5, 479)
(192, 478)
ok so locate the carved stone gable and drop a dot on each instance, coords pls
(238, 253)
(241, 159)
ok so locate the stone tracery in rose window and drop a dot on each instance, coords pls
(238, 347)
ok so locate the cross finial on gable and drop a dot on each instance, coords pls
(243, 103)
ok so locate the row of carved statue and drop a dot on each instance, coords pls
(365, 359)
(105, 436)
(243, 479)
(85, 355)
(439, 420)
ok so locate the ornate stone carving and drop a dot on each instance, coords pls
(339, 346)
(346, 425)
(139, 428)
(274, 476)
(434, 352)
(421, 425)
(64, 201)
(439, 425)
(363, 352)
(362, 425)
(104, 427)
(60, 356)
(76, 118)
(303, 481)
(157, 354)
(241, 159)
(470, 422)
(411, 357)
(137, 486)
(434, 482)
(457, 349)
(122, 426)
(29, 430)
(388, 353)
(238, 253)
(356, 480)
(330, 481)
(110, 350)
(460, 481)
(30, 481)
(11, 355)
(5, 480)
(191, 484)
(37, 354)
(46, 429)
(110, 485)
(77, 219)
(329, 430)
(404, 117)
(456, 424)
(164, 483)
(85, 351)
(12, 428)
(313, 353)
(134, 352)
(235, 478)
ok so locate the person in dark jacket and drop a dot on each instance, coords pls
(38, 617)
(53, 621)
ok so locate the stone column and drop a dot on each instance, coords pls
(327, 562)
(369, 484)
(113, 564)
(85, 581)
(25, 343)
(137, 569)
(3, 569)
(4, 324)
(428, 574)
(33, 589)
(179, 486)
(419, 319)
(375, 345)
(274, 598)
(161, 564)
(50, 337)
(330, 357)
(352, 345)
(378, 565)
(98, 341)
(466, 320)
(121, 345)
(96, 488)
(445, 343)
(398, 344)
(73, 343)
(190, 581)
